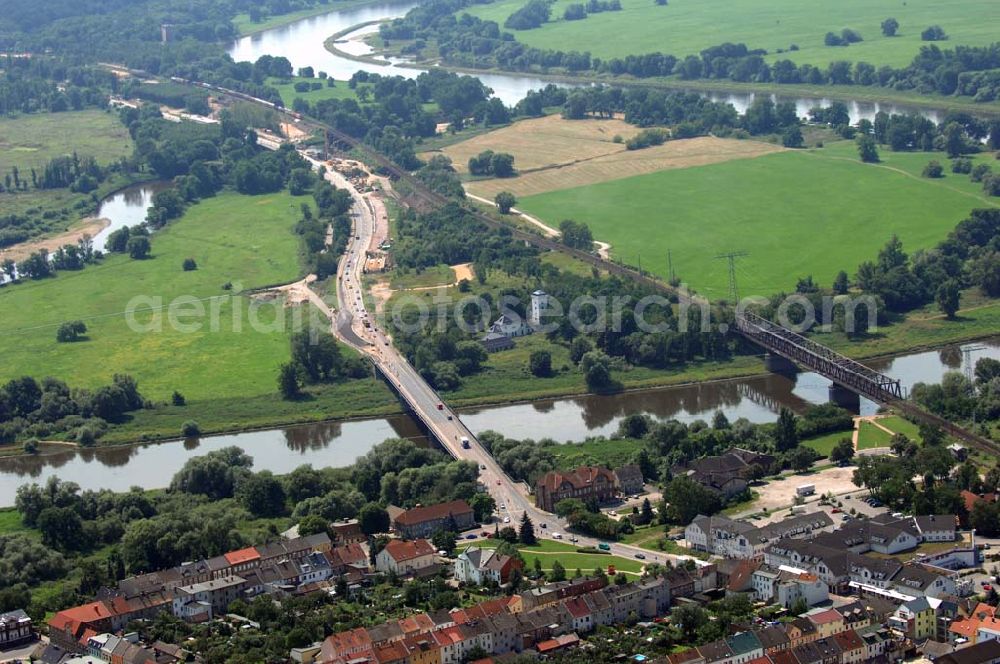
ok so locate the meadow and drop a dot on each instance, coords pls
(30, 141)
(795, 213)
(686, 27)
(243, 240)
(286, 88)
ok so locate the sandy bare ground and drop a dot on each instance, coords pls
(778, 494)
(603, 248)
(622, 164)
(19, 252)
(292, 131)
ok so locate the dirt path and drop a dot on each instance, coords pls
(603, 248)
(22, 250)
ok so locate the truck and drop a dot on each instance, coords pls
(805, 490)
(465, 443)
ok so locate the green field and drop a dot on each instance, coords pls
(870, 436)
(610, 453)
(240, 239)
(824, 444)
(685, 27)
(438, 275)
(796, 213)
(901, 425)
(286, 88)
(30, 141)
(548, 551)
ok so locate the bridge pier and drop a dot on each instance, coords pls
(779, 365)
(844, 397)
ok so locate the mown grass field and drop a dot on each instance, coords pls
(548, 551)
(796, 213)
(824, 444)
(286, 88)
(245, 240)
(30, 141)
(686, 27)
(870, 436)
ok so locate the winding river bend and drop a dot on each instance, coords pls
(573, 419)
(302, 43)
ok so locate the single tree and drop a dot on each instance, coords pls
(842, 451)
(177, 399)
(933, 169)
(867, 149)
(558, 572)
(526, 535)
(786, 434)
(138, 247)
(189, 265)
(288, 381)
(540, 363)
(71, 331)
(948, 296)
(505, 201)
(889, 27)
(841, 283)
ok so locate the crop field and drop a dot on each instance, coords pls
(796, 213)
(30, 141)
(551, 153)
(243, 240)
(686, 27)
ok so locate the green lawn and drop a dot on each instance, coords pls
(245, 240)
(286, 87)
(30, 141)
(824, 444)
(10, 522)
(685, 27)
(901, 425)
(611, 453)
(795, 213)
(438, 275)
(870, 436)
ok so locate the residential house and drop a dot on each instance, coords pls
(716, 652)
(966, 630)
(987, 652)
(494, 342)
(630, 480)
(405, 557)
(800, 630)
(827, 621)
(67, 627)
(689, 656)
(480, 566)
(15, 628)
(820, 651)
(915, 579)
(787, 585)
(243, 560)
(727, 474)
(745, 647)
(347, 531)
(202, 601)
(936, 527)
(510, 325)
(915, 619)
(347, 556)
(878, 641)
(586, 483)
(773, 639)
(852, 647)
(346, 646)
(454, 516)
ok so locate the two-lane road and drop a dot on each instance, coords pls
(443, 423)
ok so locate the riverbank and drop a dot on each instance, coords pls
(845, 93)
(247, 28)
(330, 44)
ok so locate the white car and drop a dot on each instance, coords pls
(556, 535)
(506, 519)
(613, 513)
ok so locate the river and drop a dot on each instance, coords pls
(126, 207)
(302, 43)
(574, 419)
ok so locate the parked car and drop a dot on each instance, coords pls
(836, 510)
(506, 519)
(544, 526)
(556, 535)
(640, 556)
(470, 536)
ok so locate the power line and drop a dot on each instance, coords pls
(731, 256)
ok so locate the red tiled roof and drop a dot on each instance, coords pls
(400, 550)
(849, 640)
(581, 477)
(433, 512)
(824, 617)
(242, 556)
(577, 607)
(79, 615)
(85, 637)
(760, 660)
(563, 641)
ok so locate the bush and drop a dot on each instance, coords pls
(177, 399)
(961, 165)
(86, 436)
(978, 172)
(933, 33)
(933, 169)
(31, 446)
(190, 429)
(71, 331)
(189, 265)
